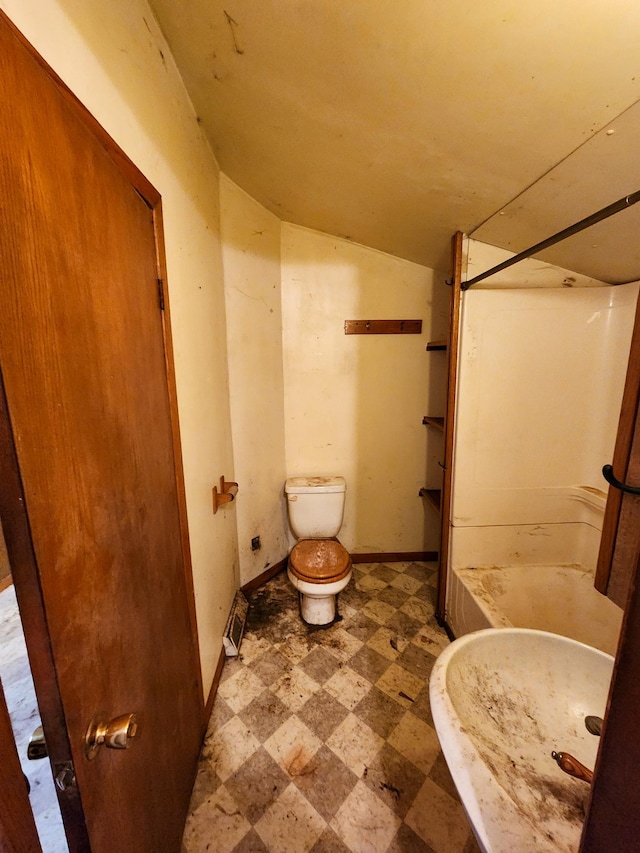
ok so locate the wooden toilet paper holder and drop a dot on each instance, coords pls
(227, 493)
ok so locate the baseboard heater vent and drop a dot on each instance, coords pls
(235, 625)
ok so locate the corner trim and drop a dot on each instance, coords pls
(395, 557)
(375, 557)
(262, 579)
(208, 708)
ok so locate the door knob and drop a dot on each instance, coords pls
(114, 734)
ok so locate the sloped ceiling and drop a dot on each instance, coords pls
(396, 124)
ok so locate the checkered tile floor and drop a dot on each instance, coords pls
(321, 740)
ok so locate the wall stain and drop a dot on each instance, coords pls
(232, 26)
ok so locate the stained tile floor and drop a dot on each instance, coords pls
(322, 740)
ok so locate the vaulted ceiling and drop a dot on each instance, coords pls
(396, 124)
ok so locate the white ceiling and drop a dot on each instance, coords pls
(397, 124)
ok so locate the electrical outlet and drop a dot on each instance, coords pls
(255, 543)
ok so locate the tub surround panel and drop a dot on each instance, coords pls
(525, 544)
(483, 506)
(540, 386)
(567, 529)
(541, 374)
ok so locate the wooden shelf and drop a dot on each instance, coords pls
(433, 496)
(437, 423)
(436, 345)
(383, 327)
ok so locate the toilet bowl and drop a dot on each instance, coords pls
(319, 566)
(319, 569)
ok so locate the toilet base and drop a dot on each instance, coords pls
(318, 611)
(318, 600)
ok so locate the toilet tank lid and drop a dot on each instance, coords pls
(307, 485)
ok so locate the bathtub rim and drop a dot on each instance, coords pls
(470, 610)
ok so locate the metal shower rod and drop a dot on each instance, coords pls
(605, 213)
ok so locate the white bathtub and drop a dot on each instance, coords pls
(559, 599)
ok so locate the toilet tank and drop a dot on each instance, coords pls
(316, 506)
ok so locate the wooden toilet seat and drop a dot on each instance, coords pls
(319, 561)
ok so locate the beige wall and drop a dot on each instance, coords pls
(350, 405)
(251, 256)
(114, 58)
(353, 403)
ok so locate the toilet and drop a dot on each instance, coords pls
(319, 566)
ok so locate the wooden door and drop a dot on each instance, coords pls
(621, 532)
(91, 498)
(613, 819)
(17, 828)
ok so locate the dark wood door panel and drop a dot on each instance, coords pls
(83, 359)
(17, 827)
